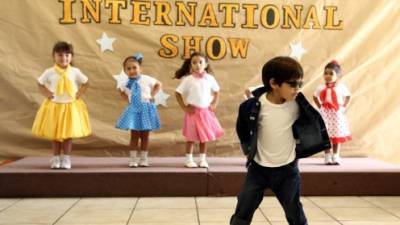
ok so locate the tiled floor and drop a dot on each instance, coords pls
(193, 211)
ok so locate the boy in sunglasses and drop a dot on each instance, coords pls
(276, 127)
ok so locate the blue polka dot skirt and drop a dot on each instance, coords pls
(145, 118)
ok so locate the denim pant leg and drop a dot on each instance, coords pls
(250, 197)
(287, 190)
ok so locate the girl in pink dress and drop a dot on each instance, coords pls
(200, 90)
(332, 98)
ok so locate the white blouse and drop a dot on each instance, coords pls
(146, 84)
(198, 91)
(50, 78)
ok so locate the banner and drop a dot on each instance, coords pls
(237, 36)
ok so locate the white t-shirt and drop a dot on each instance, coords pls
(50, 78)
(146, 84)
(198, 91)
(340, 89)
(275, 142)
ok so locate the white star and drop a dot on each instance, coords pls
(105, 42)
(297, 50)
(121, 79)
(161, 98)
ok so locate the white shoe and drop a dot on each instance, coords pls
(191, 164)
(55, 162)
(66, 162)
(144, 162)
(203, 164)
(328, 159)
(133, 162)
(336, 159)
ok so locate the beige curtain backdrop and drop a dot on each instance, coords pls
(368, 48)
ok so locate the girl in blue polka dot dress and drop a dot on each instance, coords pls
(140, 115)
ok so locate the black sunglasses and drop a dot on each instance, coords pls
(295, 83)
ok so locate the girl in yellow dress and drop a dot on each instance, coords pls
(63, 115)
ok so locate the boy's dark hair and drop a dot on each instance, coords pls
(335, 66)
(185, 68)
(281, 69)
(62, 46)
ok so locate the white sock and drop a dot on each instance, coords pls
(133, 154)
(189, 157)
(202, 157)
(143, 154)
(66, 156)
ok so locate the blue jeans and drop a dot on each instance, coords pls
(284, 181)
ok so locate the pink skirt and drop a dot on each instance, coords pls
(336, 124)
(201, 126)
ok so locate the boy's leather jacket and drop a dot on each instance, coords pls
(309, 129)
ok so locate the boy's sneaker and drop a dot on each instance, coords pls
(191, 164)
(66, 162)
(336, 159)
(144, 162)
(133, 162)
(203, 164)
(55, 162)
(328, 159)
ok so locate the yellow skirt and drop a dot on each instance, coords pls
(60, 121)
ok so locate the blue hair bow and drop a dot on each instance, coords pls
(138, 56)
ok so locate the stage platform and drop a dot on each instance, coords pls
(100, 176)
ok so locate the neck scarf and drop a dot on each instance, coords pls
(64, 84)
(136, 93)
(199, 74)
(329, 97)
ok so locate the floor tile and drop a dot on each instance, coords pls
(272, 202)
(164, 216)
(312, 214)
(340, 202)
(223, 215)
(361, 214)
(227, 222)
(167, 223)
(310, 223)
(166, 203)
(392, 201)
(216, 202)
(369, 223)
(106, 203)
(7, 202)
(44, 211)
(395, 211)
(80, 216)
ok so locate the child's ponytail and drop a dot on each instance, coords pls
(184, 70)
